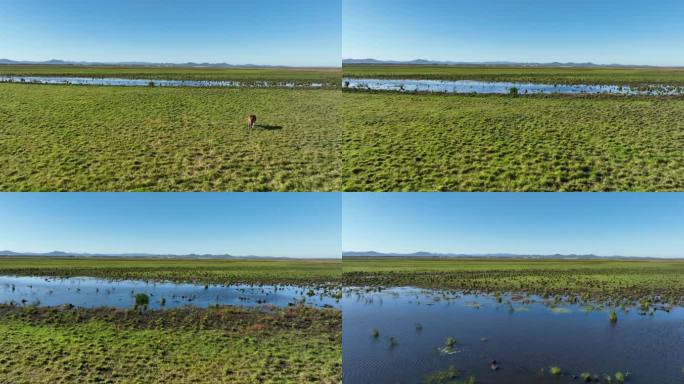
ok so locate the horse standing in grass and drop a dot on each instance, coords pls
(251, 120)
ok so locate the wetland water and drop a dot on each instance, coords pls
(111, 81)
(93, 292)
(522, 337)
(488, 87)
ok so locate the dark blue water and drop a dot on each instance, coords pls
(524, 339)
(489, 87)
(92, 292)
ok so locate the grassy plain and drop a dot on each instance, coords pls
(215, 345)
(548, 75)
(329, 77)
(436, 142)
(201, 271)
(98, 138)
(591, 279)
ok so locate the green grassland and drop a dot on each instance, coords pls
(215, 345)
(98, 138)
(435, 142)
(329, 77)
(608, 279)
(547, 75)
(200, 271)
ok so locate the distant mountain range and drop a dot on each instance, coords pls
(345, 61)
(492, 255)
(485, 63)
(150, 255)
(136, 64)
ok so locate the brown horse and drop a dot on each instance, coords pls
(251, 120)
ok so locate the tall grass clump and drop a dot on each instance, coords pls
(141, 301)
(613, 317)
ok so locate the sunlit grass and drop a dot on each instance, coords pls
(404, 142)
(218, 345)
(97, 138)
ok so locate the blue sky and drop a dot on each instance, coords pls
(262, 224)
(628, 224)
(601, 31)
(274, 32)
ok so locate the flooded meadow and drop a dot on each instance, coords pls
(497, 87)
(414, 335)
(127, 82)
(89, 292)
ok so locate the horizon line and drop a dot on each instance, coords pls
(497, 254)
(10, 253)
(474, 62)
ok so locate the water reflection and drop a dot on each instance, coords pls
(487, 87)
(93, 292)
(404, 335)
(153, 83)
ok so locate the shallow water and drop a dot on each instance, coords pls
(522, 338)
(150, 82)
(93, 292)
(488, 87)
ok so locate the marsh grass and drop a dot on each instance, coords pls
(547, 75)
(595, 281)
(613, 317)
(321, 273)
(142, 301)
(329, 77)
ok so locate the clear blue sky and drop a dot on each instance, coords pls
(266, 32)
(601, 31)
(262, 224)
(628, 224)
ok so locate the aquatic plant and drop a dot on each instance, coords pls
(560, 310)
(586, 377)
(620, 377)
(450, 342)
(419, 327)
(443, 376)
(613, 317)
(556, 371)
(513, 91)
(141, 300)
(375, 333)
(393, 342)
